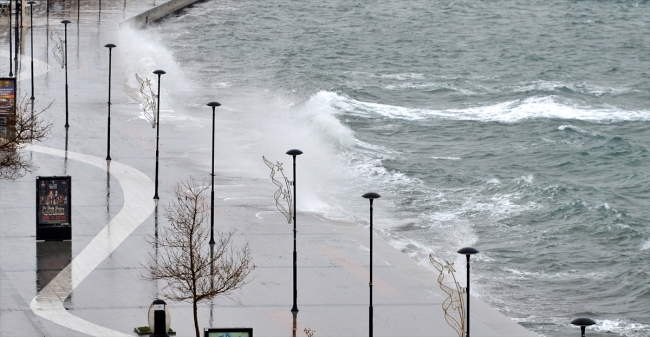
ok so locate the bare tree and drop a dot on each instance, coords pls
(23, 128)
(193, 271)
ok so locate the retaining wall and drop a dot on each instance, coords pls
(157, 13)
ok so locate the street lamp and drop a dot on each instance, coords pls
(583, 323)
(11, 51)
(65, 60)
(16, 36)
(370, 196)
(110, 47)
(213, 105)
(157, 72)
(467, 251)
(294, 309)
(31, 32)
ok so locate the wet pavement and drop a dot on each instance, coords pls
(92, 285)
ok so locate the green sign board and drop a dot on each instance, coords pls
(228, 332)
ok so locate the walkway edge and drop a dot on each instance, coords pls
(157, 13)
(138, 206)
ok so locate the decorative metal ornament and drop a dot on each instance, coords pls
(453, 305)
(283, 192)
(149, 105)
(57, 49)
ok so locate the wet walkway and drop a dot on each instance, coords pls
(92, 285)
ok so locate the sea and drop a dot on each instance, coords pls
(519, 128)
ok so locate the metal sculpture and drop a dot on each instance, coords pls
(57, 50)
(283, 192)
(149, 105)
(453, 304)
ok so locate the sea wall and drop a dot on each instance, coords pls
(157, 13)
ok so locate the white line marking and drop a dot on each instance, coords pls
(40, 67)
(138, 205)
(257, 215)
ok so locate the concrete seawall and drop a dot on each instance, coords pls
(157, 13)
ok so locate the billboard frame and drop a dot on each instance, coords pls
(7, 111)
(47, 195)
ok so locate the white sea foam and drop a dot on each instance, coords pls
(494, 181)
(622, 327)
(446, 158)
(272, 124)
(646, 245)
(427, 85)
(505, 112)
(141, 52)
(584, 88)
(571, 127)
(404, 76)
(527, 178)
(566, 276)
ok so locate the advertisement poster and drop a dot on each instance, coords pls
(53, 209)
(7, 102)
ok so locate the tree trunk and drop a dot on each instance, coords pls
(196, 319)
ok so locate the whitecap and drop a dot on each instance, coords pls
(570, 127)
(622, 327)
(549, 107)
(646, 245)
(403, 76)
(446, 158)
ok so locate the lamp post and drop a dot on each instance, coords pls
(159, 73)
(11, 51)
(16, 36)
(583, 323)
(31, 32)
(370, 196)
(65, 61)
(294, 309)
(213, 105)
(467, 251)
(110, 47)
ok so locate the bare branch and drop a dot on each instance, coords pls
(25, 127)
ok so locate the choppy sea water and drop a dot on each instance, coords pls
(521, 128)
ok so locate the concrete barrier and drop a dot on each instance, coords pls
(157, 13)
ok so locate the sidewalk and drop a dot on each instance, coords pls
(332, 256)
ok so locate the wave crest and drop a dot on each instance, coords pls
(549, 107)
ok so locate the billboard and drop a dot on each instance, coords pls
(53, 208)
(7, 103)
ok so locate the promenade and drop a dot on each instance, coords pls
(92, 285)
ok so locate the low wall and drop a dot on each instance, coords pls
(157, 13)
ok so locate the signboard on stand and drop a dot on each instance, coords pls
(7, 104)
(228, 332)
(53, 210)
